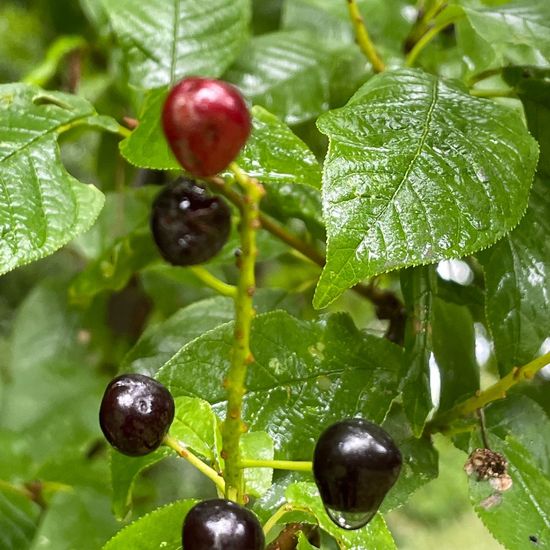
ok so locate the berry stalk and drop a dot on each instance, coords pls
(241, 355)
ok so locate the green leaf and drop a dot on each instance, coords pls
(303, 543)
(455, 356)
(124, 471)
(374, 535)
(420, 460)
(275, 155)
(517, 275)
(18, 520)
(520, 516)
(306, 375)
(257, 446)
(416, 173)
(76, 519)
(113, 269)
(522, 22)
(285, 73)
(161, 341)
(159, 529)
(163, 42)
(42, 207)
(532, 85)
(419, 286)
(195, 426)
(146, 146)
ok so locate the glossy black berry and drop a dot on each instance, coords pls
(189, 225)
(136, 413)
(221, 525)
(355, 463)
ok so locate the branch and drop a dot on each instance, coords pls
(241, 356)
(493, 393)
(363, 39)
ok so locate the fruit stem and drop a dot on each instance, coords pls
(490, 93)
(295, 465)
(184, 453)
(213, 282)
(362, 37)
(241, 355)
(492, 393)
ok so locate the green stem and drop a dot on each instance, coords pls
(213, 282)
(184, 453)
(297, 466)
(490, 93)
(424, 41)
(241, 355)
(274, 519)
(363, 39)
(493, 393)
(474, 79)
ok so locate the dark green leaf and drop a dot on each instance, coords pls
(374, 535)
(18, 519)
(415, 174)
(420, 460)
(454, 355)
(163, 41)
(517, 273)
(419, 286)
(159, 529)
(305, 376)
(42, 207)
(532, 85)
(284, 73)
(76, 519)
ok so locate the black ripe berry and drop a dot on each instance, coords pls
(189, 225)
(355, 463)
(206, 123)
(221, 525)
(136, 413)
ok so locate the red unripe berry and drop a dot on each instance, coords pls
(206, 123)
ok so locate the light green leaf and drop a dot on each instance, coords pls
(374, 535)
(159, 529)
(18, 520)
(419, 286)
(303, 543)
(146, 146)
(275, 155)
(163, 42)
(42, 207)
(517, 275)
(257, 446)
(285, 73)
(521, 22)
(305, 376)
(416, 173)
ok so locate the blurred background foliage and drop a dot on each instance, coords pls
(60, 348)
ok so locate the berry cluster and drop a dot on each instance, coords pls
(355, 462)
